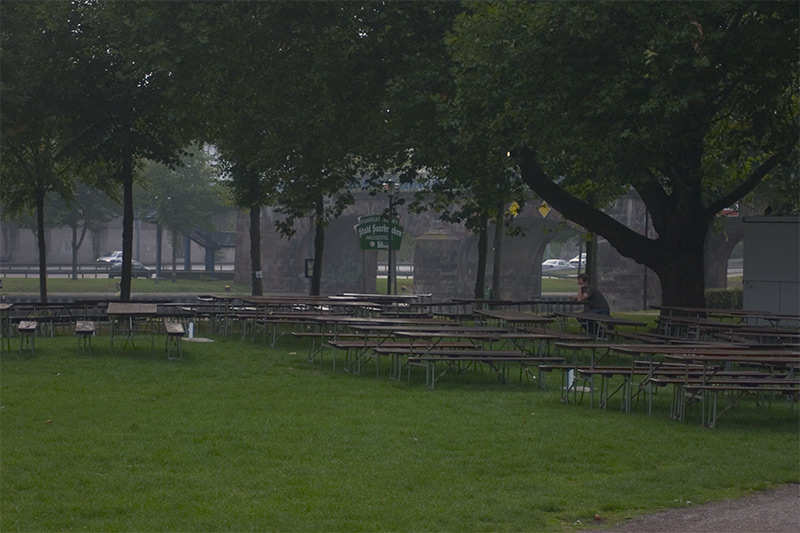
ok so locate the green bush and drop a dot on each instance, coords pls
(724, 298)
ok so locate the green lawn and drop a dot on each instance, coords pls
(241, 437)
(110, 286)
(145, 286)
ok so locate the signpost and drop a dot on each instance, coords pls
(378, 232)
(373, 232)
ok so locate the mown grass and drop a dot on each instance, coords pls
(110, 286)
(241, 437)
(144, 286)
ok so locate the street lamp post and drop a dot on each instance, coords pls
(389, 186)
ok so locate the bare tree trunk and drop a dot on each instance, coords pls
(255, 251)
(319, 247)
(498, 252)
(76, 246)
(42, 245)
(174, 255)
(483, 245)
(127, 223)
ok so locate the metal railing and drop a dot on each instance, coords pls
(85, 271)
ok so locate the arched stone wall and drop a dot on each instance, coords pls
(445, 255)
(719, 244)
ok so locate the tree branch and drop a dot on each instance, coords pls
(627, 241)
(750, 183)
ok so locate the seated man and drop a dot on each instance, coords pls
(594, 300)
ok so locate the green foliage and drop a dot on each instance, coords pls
(724, 298)
(692, 105)
(183, 197)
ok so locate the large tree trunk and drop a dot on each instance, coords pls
(680, 266)
(675, 255)
(680, 214)
(255, 251)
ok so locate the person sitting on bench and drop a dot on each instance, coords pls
(595, 303)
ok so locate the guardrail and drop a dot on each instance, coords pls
(56, 271)
(101, 271)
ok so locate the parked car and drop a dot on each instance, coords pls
(110, 257)
(138, 270)
(555, 264)
(578, 259)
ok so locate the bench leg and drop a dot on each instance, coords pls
(27, 342)
(174, 347)
(85, 344)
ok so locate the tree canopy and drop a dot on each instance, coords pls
(691, 104)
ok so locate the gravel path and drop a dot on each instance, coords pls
(776, 510)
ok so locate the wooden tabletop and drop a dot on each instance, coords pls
(606, 319)
(513, 316)
(131, 309)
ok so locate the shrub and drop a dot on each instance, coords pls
(724, 298)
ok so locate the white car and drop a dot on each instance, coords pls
(578, 259)
(555, 264)
(110, 257)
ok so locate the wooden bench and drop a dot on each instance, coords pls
(454, 359)
(84, 330)
(314, 350)
(735, 384)
(562, 335)
(27, 335)
(366, 347)
(175, 332)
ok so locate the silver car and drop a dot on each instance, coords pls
(110, 257)
(138, 270)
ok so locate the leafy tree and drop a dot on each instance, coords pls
(249, 188)
(128, 93)
(88, 210)
(467, 177)
(692, 104)
(183, 198)
(38, 132)
(299, 87)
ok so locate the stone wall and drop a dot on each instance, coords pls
(18, 246)
(445, 255)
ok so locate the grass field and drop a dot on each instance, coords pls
(145, 286)
(241, 437)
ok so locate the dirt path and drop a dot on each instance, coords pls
(776, 510)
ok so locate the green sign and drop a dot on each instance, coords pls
(373, 232)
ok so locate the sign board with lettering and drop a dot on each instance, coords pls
(373, 232)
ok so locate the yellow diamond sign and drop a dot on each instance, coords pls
(544, 209)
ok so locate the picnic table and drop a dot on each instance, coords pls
(748, 316)
(333, 326)
(605, 320)
(514, 319)
(484, 351)
(698, 327)
(5, 324)
(553, 305)
(131, 318)
(780, 376)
